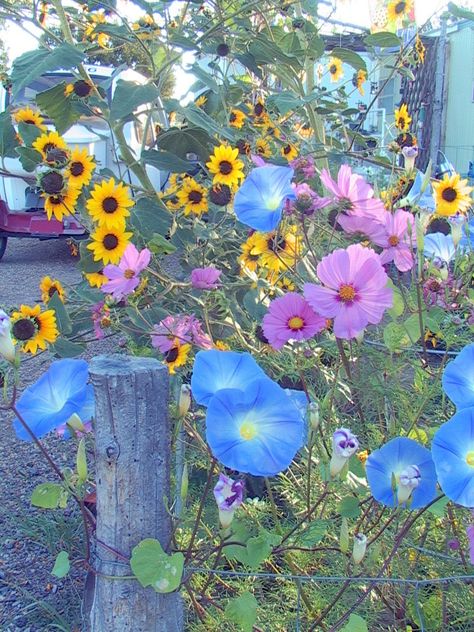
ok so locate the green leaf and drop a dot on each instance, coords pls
(160, 246)
(260, 547)
(8, 140)
(60, 108)
(29, 133)
(66, 349)
(187, 141)
(315, 46)
(314, 533)
(383, 39)
(166, 161)
(439, 507)
(199, 118)
(87, 263)
(284, 101)
(150, 216)
(248, 60)
(62, 317)
(253, 304)
(348, 507)
(47, 495)
(398, 306)
(349, 57)
(35, 63)
(243, 611)
(355, 624)
(81, 461)
(62, 565)
(412, 327)
(29, 158)
(395, 337)
(460, 12)
(129, 95)
(153, 567)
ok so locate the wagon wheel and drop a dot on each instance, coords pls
(3, 245)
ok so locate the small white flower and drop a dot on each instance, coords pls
(7, 348)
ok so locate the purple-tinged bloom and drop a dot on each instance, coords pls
(352, 193)
(184, 328)
(402, 472)
(397, 239)
(453, 455)
(259, 201)
(229, 495)
(308, 201)
(124, 278)
(304, 166)
(344, 445)
(205, 278)
(458, 378)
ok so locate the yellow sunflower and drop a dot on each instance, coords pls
(109, 203)
(304, 129)
(289, 152)
(452, 195)
(108, 244)
(96, 279)
(30, 117)
(277, 251)
(335, 68)
(402, 118)
(398, 9)
(69, 89)
(237, 119)
(49, 287)
(201, 101)
(225, 166)
(259, 111)
(176, 356)
(61, 204)
(271, 129)
(193, 197)
(420, 50)
(220, 345)
(248, 259)
(358, 80)
(33, 329)
(80, 168)
(46, 142)
(263, 148)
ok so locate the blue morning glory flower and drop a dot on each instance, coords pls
(423, 199)
(59, 393)
(215, 370)
(257, 430)
(439, 247)
(453, 455)
(402, 472)
(458, 378)
(259, 201)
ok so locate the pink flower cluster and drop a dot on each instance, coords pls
(290, 317)
(183, 328)
(361, 212)
(307, 201)
(124, 278)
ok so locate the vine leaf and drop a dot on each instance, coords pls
(153, 567)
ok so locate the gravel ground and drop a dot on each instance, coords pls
(28, 536)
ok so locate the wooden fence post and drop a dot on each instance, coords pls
(132, 446)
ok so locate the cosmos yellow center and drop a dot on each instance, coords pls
(470, 458)
(393, 240)
(129, 273)
(347, 293)
(248, 430)
(296, 323)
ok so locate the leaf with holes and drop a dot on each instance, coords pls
(47, 495)
(153, 567)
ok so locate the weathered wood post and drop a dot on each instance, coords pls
(132, 446)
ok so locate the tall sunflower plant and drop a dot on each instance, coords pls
(316, 322)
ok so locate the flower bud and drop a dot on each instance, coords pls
(184, 401)
(313, 415)
(7, 348)
(344, 536)
(359, 548)
(409, 155)
(229, 495)
(344, 445)
(184, 483)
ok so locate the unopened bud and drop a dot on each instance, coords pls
(7, 348)
(184, 484)
(313, 415)
(344, 536)
(184, 401)
(359, 548)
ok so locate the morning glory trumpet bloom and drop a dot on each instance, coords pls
(259, 201)
(453, 455)
(458, 378)
(402, 472)
(439, 247)
(60, 392)
(257, 430)
(215, 370)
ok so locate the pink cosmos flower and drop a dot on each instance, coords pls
(124, 277)
(307, 201)
(368, 226)
(290, 317)
(352, 193)
(205, 278)
(353, 290)
(182, 327)
(397, 239)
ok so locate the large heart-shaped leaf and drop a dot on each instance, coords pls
(153, 567)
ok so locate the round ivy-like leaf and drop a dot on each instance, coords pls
(153, 567)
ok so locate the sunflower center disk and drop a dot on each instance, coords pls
(333, 69)
(470, 458)
(172, 355)
(129, 273)
(393, 240)
(23, 329)
(449, 194)
(110, 205)
(52, 291)
(225, 167)
(248, 430)
(296, 323)
(195, 197)
(347, 293)
(76, 169)
(110, 242)
(400, 7)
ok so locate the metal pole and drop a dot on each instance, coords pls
(437, 117)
